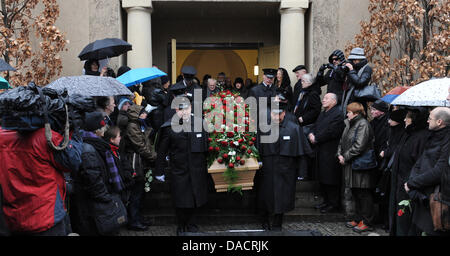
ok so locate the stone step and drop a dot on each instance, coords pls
(227, 217)
(224, 200)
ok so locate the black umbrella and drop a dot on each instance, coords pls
(4, 66)
(105, 48)
(90, 86)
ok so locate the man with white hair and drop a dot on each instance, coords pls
(325, 135)
(427, 172)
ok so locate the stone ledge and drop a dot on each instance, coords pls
(136, 3)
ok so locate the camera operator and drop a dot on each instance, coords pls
(335, 76)
(358, 77)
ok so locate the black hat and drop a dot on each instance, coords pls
(93, 121)
(299, 67)
(164, 79)
(270, 72)
(122, 70)
(178, 88)
(189, 70)
(282, 106)
(398, 115)
(381, 106)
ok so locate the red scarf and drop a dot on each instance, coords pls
(115, 150)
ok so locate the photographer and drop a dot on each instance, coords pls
(358, 77)
(335, 75)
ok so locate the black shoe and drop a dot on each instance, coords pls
(146, 222)
(328, 209)
(266, 226)
(320, 206)
(138, 227)
(180, 231)
(192, 228)
(276, 228)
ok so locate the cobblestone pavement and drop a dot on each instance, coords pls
(325, 228)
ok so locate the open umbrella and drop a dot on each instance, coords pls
(139, 75)
(90, 86)
(4, 66)
(4, 84)
(394, 93)
(105, 48)
(429, 93)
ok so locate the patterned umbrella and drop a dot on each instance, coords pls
(429, 93)
(394, 93)
(91, 86)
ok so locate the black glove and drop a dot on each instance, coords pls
(323, 67)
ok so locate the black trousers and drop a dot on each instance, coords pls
(331, 194)
(265, 218)
(364, 205)
(185, 216)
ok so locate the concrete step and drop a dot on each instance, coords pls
(163, 217)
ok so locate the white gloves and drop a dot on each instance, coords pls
(149, 108)
(161, 178)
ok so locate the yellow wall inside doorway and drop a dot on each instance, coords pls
(249, 59)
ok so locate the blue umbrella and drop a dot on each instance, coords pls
(4, 84)
(140, 75)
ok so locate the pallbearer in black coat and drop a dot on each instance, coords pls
(277, 179)
(325, 134)
(188, 167)
(266, 89)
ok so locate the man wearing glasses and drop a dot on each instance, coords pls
(335, 75)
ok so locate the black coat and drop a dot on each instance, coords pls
(188, 166)
(327, 132)
(309, 107)
(426, 175)
(277, 177)
(262, 91)
(353, 82)
(335, 79)
(92, 186)
(408, 151)
(380, 128)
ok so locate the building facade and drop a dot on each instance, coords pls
(235, 37)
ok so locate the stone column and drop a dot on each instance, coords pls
(292, 35)
(139, 32)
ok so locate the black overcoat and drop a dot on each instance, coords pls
(327, 132)
(277, 177)
(426, 175)
(407, 152)
(187, 152)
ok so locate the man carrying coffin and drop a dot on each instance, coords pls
(277, 179)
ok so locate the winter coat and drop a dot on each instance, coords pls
(277, 178)
(188, 167)
(334, 78)
(426, 175)
(407, 152)
(138, 153)
(309, 107)
(262, 91)
(92, 185)
(356, 82)
(32, 181)
(349, 150)
(380, 128)
(327, 131)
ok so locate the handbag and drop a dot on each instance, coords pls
(370, 92)
(110, 216)
(365, 161)
(439, 212)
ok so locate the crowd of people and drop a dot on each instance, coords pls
(403, 151)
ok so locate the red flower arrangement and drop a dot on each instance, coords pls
(230, 139)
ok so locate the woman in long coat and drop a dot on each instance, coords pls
(357, 138)
(407, 153)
